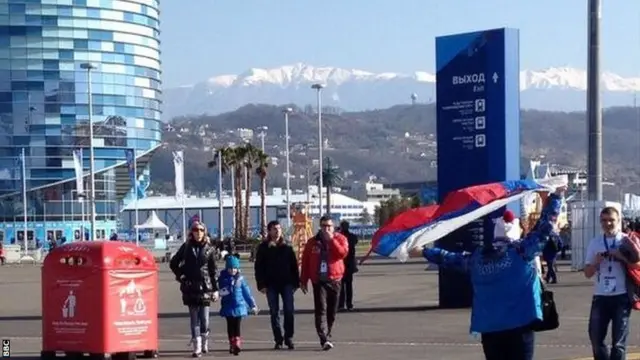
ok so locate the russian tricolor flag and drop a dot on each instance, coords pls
(421, 226)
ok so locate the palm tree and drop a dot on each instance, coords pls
(248, 160)
(330, 178)
(230, 162)
(239, 154)
(262, 163)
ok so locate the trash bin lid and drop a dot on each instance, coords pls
(101, 254)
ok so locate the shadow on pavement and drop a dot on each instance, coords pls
(216, 353)
(362, 310)
(173, 315)
(378, 262)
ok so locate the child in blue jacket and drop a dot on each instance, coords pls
(236, 301)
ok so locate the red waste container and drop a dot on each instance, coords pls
(100, 298)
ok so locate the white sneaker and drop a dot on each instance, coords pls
(197, 346)
(327, 346)
(205, 343)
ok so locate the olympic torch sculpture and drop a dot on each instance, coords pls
(302, 229)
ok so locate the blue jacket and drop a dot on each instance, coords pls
(236, 299)
(506, 286)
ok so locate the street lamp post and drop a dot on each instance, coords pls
(318, 88)
(92, 181)
(594, 106)
(262, 134)
(220, 199)
(286, 112)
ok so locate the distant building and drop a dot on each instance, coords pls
(44, 110)
(416, 188)
(244, 134)
(375, 192)
(539, 170)
(169, 209)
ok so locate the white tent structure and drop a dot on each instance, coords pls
(153, 222)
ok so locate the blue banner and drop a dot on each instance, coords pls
(20, 162)
(363, 231)
(428, 195)
(129, 155)
(478, 126)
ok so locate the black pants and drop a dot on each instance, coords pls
(551, 277)
(325, 304)
(273, 299)
(516, 344)
(346, 292)
(233, 326)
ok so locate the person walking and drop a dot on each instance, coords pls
(549, 255)
(236, 301)
(277, 276)
(3, 258)
(611, 302)
(323, 265)
(194, 266)
(345, 301)
(507, 290)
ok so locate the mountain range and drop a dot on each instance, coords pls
(397, 144)
(552, 89)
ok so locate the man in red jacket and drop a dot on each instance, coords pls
(323, 264)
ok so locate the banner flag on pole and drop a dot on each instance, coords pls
(131, 166)
(178, 165)
(78, 167)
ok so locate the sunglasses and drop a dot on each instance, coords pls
(198, 230)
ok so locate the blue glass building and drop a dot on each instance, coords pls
(44, 109)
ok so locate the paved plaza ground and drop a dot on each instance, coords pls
(396, 318)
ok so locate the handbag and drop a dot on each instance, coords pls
(550, 319)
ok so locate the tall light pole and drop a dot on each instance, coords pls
(637, 109)
(92, 180)
(220, 199)
(594, 106)
(262, 134)
(286, 112)
(25, 208)
(318, 88)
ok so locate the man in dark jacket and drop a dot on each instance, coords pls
(194, 266)
(277, 276)
(350, 268)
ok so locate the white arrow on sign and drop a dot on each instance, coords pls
(495, 77)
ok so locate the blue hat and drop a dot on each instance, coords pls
(232, 262)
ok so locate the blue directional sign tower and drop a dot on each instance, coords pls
(478, 121)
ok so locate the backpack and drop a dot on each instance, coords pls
(629, 248)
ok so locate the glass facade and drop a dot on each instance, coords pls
(44, 103)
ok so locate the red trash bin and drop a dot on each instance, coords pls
(100, 298)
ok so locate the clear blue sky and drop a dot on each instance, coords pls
(203, 38)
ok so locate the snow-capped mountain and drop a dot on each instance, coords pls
(351, 89)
